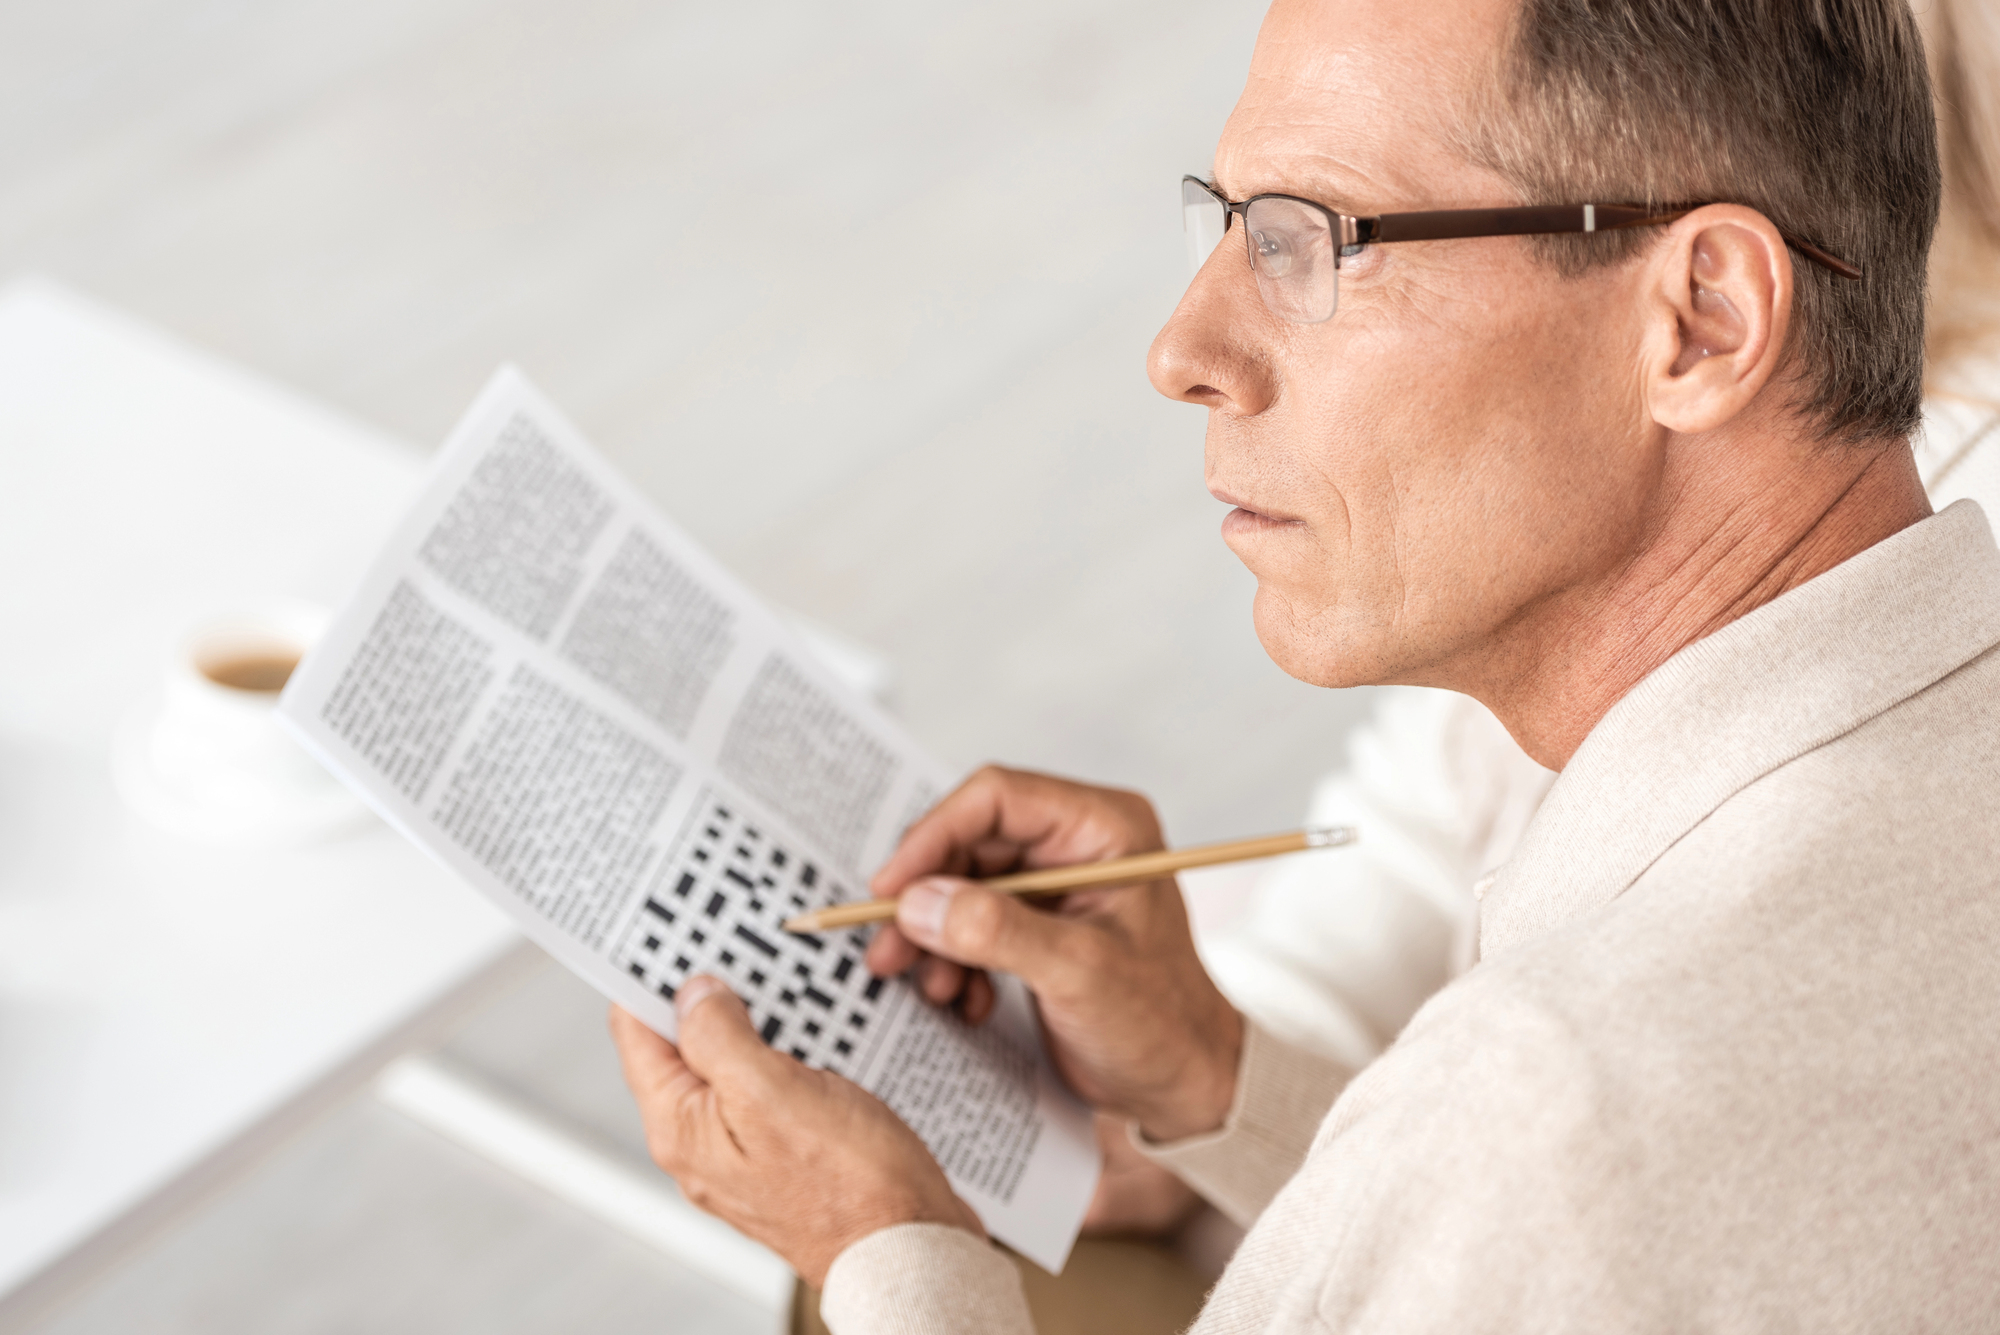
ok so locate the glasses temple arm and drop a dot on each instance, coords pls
(1550, 219)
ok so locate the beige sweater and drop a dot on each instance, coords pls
(1730, 1059)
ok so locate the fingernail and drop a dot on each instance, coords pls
(920, 912)
(695, 991)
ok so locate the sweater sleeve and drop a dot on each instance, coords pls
(924, 1279)
(1283, 1093)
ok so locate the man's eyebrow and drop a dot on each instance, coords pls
(1319, 190)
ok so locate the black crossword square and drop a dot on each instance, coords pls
(739, 884)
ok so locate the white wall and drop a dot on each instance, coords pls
(860, 292)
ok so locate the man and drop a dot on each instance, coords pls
(1726, 1059)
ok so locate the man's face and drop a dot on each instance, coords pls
(1464, 444)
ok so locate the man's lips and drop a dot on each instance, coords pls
(1246, 517)
(1241, 523)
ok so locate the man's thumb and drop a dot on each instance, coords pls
(968, 925)
(716, 1040)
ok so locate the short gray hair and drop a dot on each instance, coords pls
(1816, 113)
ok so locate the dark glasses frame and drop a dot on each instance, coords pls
(1530, 220)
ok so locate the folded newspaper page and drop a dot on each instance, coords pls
(553, 690)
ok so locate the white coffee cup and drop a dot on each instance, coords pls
(206, 758)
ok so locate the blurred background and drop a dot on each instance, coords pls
(859, 294)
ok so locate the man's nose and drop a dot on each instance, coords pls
(1204, 353)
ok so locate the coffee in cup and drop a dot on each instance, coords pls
(206, 758)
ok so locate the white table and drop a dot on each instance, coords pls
(166, 1009)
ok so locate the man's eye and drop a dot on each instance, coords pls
(1356, 261)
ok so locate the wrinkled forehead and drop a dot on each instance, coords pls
(1359, 103)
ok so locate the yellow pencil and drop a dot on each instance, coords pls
(1115, 871)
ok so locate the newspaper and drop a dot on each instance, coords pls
(553, 690)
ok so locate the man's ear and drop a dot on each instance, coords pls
(1723, 309)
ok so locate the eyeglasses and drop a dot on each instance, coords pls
(1296, 246)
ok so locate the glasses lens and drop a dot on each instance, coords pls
(1291, 248)
(1205, 217)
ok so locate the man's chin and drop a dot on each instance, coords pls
(1312, 651)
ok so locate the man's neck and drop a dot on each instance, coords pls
(1707, 558)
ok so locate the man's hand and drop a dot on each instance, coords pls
(1133, 1021)
(803, 1161)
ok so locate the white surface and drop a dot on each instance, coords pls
(158, 999)
(639, 1202)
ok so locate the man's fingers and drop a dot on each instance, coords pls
(718, 1044)
(961, 922)
(940, 980)
(979, 999)
(668, 1094)
(938, 841)
(652, 1066)
(998, 816)
(990, 857)
(890, 952)
(893, 951)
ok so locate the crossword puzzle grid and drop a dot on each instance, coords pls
(716, 908)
